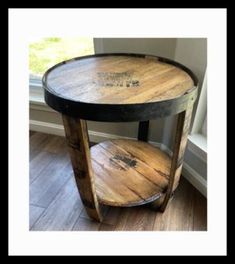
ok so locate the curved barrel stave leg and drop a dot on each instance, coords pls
(181, 137)
(78, 144)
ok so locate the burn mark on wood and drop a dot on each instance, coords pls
(119, 79)
(116, 165)
(129, 162)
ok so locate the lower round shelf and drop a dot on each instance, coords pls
(129, 172)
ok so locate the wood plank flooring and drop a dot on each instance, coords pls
(56, 205)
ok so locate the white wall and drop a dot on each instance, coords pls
(192, 52)
(164, 47)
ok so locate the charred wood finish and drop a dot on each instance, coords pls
(122, 88)
(78, 144)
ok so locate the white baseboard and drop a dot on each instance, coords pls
(55, 129)
(188, 172)
(45, 127)
(98, 137)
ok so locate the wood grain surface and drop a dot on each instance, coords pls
(78, 144)
(122, 87)
(129, 172)
(118, 80)
(187, 211)
(180, 143)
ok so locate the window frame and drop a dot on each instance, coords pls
(197, 140)
(201, 111)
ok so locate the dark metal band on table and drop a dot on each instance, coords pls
(121, 112)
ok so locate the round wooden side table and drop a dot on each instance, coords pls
(122, 88)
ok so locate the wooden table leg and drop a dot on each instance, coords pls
(143, 130)
(78, 143)
(181, 137)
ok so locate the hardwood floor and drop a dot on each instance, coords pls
(56, 205)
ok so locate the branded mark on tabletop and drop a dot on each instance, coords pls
(119, 79)
(127, 162)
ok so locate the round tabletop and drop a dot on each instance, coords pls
(119, 87)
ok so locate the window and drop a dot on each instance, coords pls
(46, 52)
(198, 135)
(199, 125)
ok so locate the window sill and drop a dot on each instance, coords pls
(36, 93)
(197, 144)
